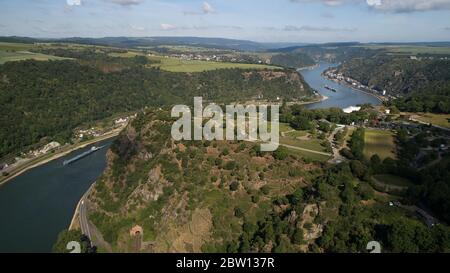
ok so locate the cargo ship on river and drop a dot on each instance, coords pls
(80, 156)
(330, 88)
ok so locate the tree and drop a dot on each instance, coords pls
(300, 123)
(296, 197)
(281, 153)
(297, 238)
(375, 160)
(365, 191)
(238, 212)
(234, 186)
(230, 165)
(66, 236)
(358, 169)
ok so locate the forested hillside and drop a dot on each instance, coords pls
(49, 99)
(292, 60)
(427, 80)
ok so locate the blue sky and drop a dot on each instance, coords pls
(258, 20)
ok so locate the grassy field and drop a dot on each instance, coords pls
(308, 155)
(297, 134)
(411, 49)
(310, 144)
(435, 119)
(379, 142)
(284, 127)
(290, 139)
(128, 54)
(178, 65)
(6, 56)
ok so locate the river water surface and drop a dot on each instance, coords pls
(342, 98)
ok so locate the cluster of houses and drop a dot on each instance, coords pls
(428, 58)
(91, 132)
(218, 58)
(31, 154)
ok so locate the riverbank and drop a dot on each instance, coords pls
(308, 67)
(380, 98)
(321, 99)
(38, 161)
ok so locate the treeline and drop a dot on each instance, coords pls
(50, 99)
(430, 102)
(96, 57)
(356, 143)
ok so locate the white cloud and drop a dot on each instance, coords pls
(168, 26)
(326, 2)
(207, 8)
(125, 2)
(408, 5)
(74, 2)
(373, 2)
(388, 5)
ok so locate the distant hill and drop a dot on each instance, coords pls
(222, 43)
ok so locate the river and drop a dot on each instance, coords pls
(342, 98)
(36, 205)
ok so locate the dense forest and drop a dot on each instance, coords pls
(400, 75)
(50, 99)
(292, 60)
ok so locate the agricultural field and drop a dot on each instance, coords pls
(8, 56)
(379, 142)
(178, 65)
(435, 119)
(15, 46)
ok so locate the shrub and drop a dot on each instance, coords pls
(234, 186)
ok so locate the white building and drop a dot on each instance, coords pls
(351, 109)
